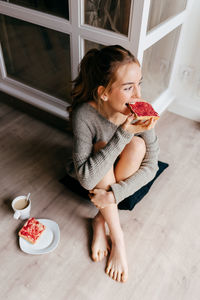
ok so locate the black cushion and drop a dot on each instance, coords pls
(129, 202)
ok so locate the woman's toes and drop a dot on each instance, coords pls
(97, 256)
(111, 273)
(115, 274)
(118, 276)
(94, 257)
(124, 276)
(108, 269)
(101, 255)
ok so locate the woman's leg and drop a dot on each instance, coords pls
(100, 246)
(117, 267)
(130, 159)
(117, 264)
(129, 162)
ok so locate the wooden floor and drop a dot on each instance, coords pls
(162, 233)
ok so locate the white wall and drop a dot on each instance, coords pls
(186, 81)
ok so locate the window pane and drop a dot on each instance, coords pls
(90, 45)
(36, 56)
(156, 66)
(58, 8)
(108, 14)
(160, 10)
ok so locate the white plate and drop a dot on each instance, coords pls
(46, 243)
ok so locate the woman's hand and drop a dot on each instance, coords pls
(138, 126)
(101, 198)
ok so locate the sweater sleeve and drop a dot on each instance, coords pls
(91, 167)
(145, 173)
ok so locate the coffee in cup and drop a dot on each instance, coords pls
(21, 207)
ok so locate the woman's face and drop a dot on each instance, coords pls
(125, 89)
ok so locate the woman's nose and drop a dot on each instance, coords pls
(136, 92)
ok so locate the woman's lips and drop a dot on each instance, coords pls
(127, 104)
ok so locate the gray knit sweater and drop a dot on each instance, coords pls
(89, 168)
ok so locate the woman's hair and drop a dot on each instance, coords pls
(98, 68)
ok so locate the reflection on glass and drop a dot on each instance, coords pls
(156, 66)
(36, 56)
(90, 45)
(58, 8)
(160, 10)
(108, 14)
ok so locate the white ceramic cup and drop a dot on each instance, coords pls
(21, 208)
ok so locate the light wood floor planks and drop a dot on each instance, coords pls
(162, 232)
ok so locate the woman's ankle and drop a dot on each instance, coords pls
(117, 237)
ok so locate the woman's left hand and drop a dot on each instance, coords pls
(101, 198)
(138, 126)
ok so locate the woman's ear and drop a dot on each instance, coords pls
(101, 93)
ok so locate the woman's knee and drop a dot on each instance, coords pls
(130, 159)
(137, 145)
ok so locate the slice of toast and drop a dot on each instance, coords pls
(32, 230)
(143, 110)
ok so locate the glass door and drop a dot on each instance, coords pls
(161, 10)
(42, 43)
(165, 20)
(35, 56)
(53, 7)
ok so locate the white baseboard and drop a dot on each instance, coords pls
(161, 103)
(34, 97)
(185, 110)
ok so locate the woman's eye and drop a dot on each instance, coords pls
(128, 88)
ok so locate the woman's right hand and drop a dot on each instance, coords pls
(102, 198)
(138, 126)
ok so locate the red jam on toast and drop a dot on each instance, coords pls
(32, 230)
(143, 110)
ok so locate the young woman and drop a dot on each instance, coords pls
(112, 156)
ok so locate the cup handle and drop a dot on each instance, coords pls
(16, 215)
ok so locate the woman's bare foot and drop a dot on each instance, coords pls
(100, 246)
(117, 267)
